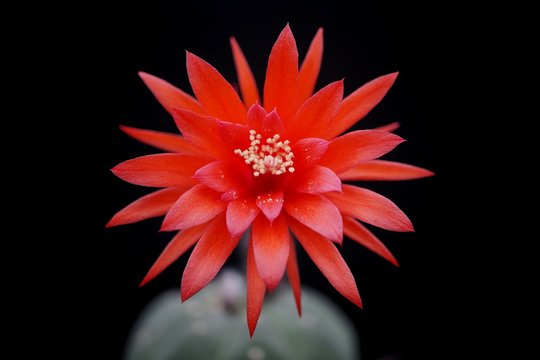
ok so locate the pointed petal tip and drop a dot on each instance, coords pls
(111, 223)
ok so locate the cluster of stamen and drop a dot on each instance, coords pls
(272, 157)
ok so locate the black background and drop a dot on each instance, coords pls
(407, 311)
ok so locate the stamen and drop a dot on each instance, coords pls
(274, 157)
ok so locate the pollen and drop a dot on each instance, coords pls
(271, 156)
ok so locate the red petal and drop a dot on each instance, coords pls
(161, 140)
(351, 149)
(270, 204)
(384, 170)
(389, 127)
(313, 117)
(317, 213)
(240, 215)
(169, 96)
(207, 258)
(255, 291)
(355, 106)
(247, 83)
(200, 131)
(196, 206)
(223, 177)
(280, 85)
(160, 170)
(271, 248)
(265, 124)
(309, 71)
(364, 237)
(308, 152)
(179, 244)
(151, 205)
(370, 207)
(315, 180)
(327, 258)
(214, 92)
(294, 276)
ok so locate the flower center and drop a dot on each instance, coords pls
(272, 157)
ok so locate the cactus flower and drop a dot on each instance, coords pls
(275, 168)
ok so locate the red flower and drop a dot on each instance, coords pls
(266, 170)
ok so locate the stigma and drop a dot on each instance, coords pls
(270, 156)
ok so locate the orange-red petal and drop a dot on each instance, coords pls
(160, 170)
(355, 106)
(280, 85)
(200, 131)
(309, 71)
(148, 206)
(222, 176)
(208, 257)
(364, 237)
(179, 244)
(316, 179)
(389, 127)
(255, 290)
(246, 80)
(315, 115)
(266, 124)
(271, 248)
(317, 213)
(384, 170)
(328, 259)
(214, 92)
(161, 140)
(240, 215)
(294, 276)
(169, 96)
(196, 206)
(308, 152)
(270, 204)
(351, 149)
(370, 207)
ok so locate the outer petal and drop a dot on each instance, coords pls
(214, 92)
(255, 291)
(247, 83)
(363, 236)
(384, 170)
(389, 127)
(313, 117)
(200, 131)
(161, 140)
(207, 258)
(179, 244)
(169, 96)
(309, 71)
(160, 170)
(271, 248)
(355, 106)
(317, 213)
(351, 149)
(151, 205)
(370, 207)
(240, 215)
(294, 276)
(196, 206)
(281, 81)
(270, 204)
(327, 258)
(315, 180)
